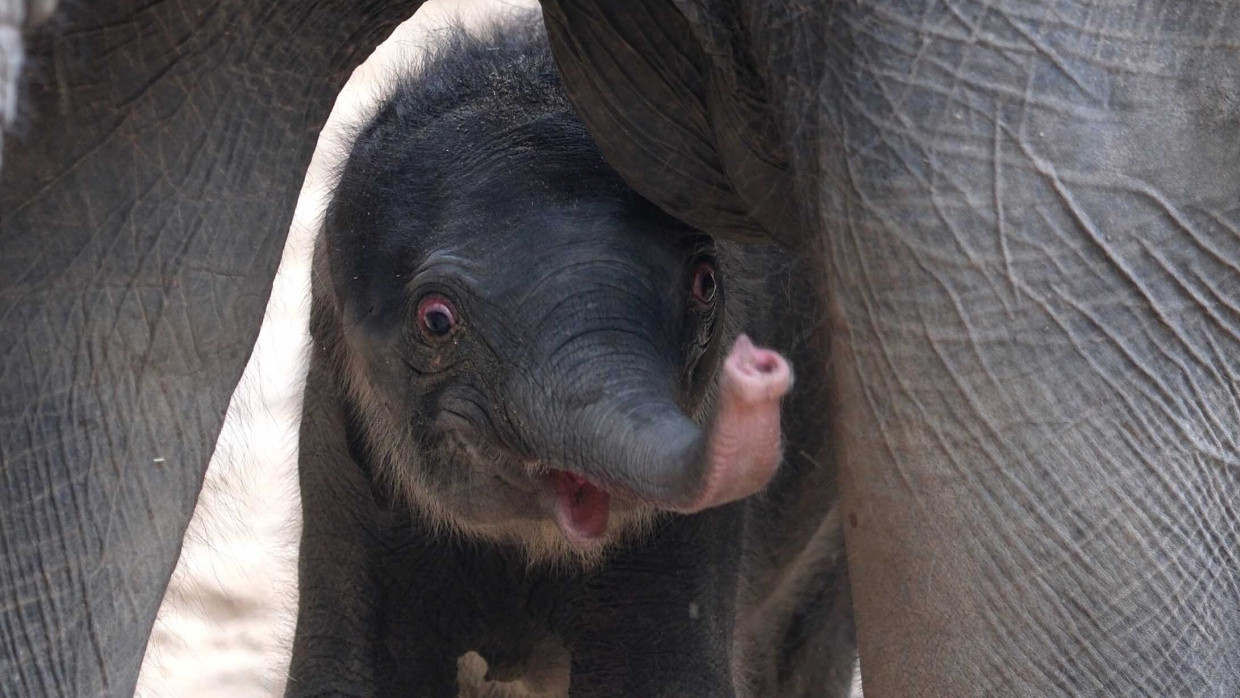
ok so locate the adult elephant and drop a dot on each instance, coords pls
(1025, 218)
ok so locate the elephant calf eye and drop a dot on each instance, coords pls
(704, 286)
(436, 316)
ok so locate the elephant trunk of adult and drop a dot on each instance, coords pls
(634, 439)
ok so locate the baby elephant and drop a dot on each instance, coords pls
(538, 454)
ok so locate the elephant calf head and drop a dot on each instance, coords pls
(531, 351)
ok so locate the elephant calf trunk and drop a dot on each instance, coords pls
(744, 441)
(669, 462)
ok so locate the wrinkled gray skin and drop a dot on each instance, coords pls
(1022, 216)
(428, 461)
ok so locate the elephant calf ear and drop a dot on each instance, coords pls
(679, 112)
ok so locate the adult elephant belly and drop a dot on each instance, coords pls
(1028, 222)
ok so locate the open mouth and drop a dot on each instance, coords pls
(582, 509)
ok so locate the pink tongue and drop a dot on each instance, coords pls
(581, 508)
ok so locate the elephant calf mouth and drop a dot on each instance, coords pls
(582, 508)
(734, 458)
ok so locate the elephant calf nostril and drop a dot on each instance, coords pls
(765, 363)
(757, 366)
(759, 362)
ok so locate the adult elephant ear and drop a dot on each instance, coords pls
(680, 108)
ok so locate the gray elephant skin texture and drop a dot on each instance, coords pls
(1019, 219)
(520, 369)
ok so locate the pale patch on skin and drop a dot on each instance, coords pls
(15, 16)
(544, 675)
(11, 54)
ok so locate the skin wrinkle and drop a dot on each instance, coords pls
(71, 169)
(1230, 227)
(1186, 344)
(1165, 390)
(1002, 614)
(504, 146)
(885, 77)
(1031, 49)
(1028, 498)
(1205, 582)
(1228, 386)
(1099, 369)
(1127, 185)
(1209, 304)
(1086, 355)
(1110, 668)
(678, 87)
(1098, 238)
(998, 615)
(1184, 327)
(1042, 49)
(579, 361)
(1167, 401)
(1180, 335)
(1081, 560)
(553, 318)
(930, 252)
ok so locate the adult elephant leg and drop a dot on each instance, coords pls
(1031, 218)
(1027, 220)
(141, 218)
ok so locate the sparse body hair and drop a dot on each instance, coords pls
(537, 432)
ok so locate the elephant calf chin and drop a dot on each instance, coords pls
(537, 448)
